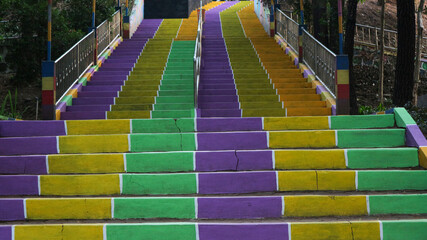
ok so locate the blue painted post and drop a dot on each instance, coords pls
(48, 74)
(126, 22)
(340, 27)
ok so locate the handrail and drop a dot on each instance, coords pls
(75, 61)
(198, 55)
(288, 29)
(321, 61)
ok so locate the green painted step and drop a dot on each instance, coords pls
(189, 113)
(162, 125)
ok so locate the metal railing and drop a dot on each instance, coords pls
(370, 36)
(76, 61)
(320, 60)
(198, 56)
(287, 29)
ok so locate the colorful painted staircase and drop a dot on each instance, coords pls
(165, 174)
(150, 172)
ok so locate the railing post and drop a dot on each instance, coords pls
(342, 85)
(48, 90)
(126, 22)
(301, 29)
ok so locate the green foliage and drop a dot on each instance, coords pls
(27, 21)
(9, 108)
(366, 110)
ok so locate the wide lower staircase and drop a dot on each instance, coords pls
(235, 171)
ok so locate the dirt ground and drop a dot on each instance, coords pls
(369, 13)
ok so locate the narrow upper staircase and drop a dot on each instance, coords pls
(235, 171)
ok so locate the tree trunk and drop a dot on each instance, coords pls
(319, 24)
(418, 53)
(349, 50)
(381, 66)
(404, 82)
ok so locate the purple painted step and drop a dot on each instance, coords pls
(5, 232)
(234, 161)
(221, 98)
(31, 128)
(214, 105)
(93, 101)
(83, 115)
(90, 108)
(208, 113)
(240, 231)
(243, 182)
(229, 124)
(216, 81)
(23, 165)
(98, 94)
(19, 185)
(239, 208)
(235, 140)
(28, 146)
(11, 209)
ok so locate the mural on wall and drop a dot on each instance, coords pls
(263, 12)
(136, 16)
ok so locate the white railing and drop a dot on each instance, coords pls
(198, 55)
(287, 29)
(320, 60)
(79, 58)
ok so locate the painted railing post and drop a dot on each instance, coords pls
(342, 85)
(48, 90)
(126, 22)
(95, 49)
(48, 74)
(119, 8)
(272, 21)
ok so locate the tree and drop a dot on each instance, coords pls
(26, 21)
(404, 81)
(349, 50)
(381, 67)
(418, 52)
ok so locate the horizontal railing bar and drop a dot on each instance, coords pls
(75, 45)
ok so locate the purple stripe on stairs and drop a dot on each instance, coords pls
(239, 208)
(31, 128)
(5, 233)
(235, 141)
(11, 210)
(237, 182)
(231, 124)
(18, 185)
(28, 146)
(23, 165)
(240, 231)
(234, 161)
(216, 70)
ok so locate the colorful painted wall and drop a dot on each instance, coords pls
(263, 13)
(136, 16)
